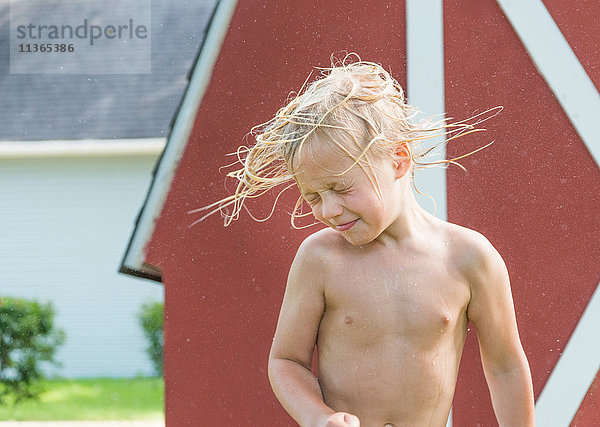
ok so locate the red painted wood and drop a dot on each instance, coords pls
(589, 410)
(223, 287)
(534, 193)
(578, 22)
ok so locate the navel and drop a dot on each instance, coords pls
(348, 320)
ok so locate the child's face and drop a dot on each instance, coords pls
(348, 203)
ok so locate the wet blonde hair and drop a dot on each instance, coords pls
(354, 106)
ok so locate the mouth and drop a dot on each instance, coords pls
(347, 226)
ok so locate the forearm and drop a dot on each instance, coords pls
(512, 396)
(298, 391)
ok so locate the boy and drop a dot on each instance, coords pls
(386, 290)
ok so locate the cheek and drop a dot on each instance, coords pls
(374, 208)
(363, 204)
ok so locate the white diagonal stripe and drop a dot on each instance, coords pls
(574, 90)
(575, 371)
(559, 66)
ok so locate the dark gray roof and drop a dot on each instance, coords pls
(77, 106)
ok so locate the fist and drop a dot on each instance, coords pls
(342, 419)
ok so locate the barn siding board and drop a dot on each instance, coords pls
(228, 283)
(534, 193)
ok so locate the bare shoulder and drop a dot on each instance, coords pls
(471, 250)
(485, 272)
(323, 246)
(314, 260)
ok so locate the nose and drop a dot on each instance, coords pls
(330, 207)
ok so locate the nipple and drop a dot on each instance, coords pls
(348, 320)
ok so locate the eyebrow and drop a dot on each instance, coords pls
(328, 183)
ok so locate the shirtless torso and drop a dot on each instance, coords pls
(393, 327)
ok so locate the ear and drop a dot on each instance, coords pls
(403, 163)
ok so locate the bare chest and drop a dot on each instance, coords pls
(412, 297)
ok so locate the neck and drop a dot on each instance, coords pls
(410, 221)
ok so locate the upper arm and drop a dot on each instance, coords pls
(303, 305)
(491, 309)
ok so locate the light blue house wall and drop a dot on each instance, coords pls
(64, 225)
(66, 213)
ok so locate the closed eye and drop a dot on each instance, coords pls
(311, 199)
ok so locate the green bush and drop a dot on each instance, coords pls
(27, 338)
(151, 319)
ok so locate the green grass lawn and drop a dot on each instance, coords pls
(92, 399)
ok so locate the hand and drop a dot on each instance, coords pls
(341, 419)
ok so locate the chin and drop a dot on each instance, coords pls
(358, 240)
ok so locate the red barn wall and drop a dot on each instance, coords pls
(533, 194)
(224, 286)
